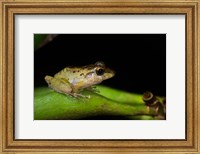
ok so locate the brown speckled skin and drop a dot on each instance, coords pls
(71, 80)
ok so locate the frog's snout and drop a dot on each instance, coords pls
(113, 73)
(110, 73)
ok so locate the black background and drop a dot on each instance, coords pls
(138, 59)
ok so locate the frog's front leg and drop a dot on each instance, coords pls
(58, 84)
(93, 89)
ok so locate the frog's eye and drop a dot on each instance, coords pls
(100, 71)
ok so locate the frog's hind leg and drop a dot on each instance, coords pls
(58, 84)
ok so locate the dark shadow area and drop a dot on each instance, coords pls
(138, 59)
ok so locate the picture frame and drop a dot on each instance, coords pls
(162, 7)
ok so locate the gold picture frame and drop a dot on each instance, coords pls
(9, 8)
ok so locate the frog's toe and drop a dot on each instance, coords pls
(80, 95)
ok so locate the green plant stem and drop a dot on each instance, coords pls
(141, 117)
(50, 105)
(121, 96)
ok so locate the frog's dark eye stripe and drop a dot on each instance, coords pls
(100, 71)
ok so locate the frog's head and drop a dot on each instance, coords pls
(99, 72)
(102, 71)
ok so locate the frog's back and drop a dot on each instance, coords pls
(67, 73)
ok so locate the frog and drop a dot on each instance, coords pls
(73, 79)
